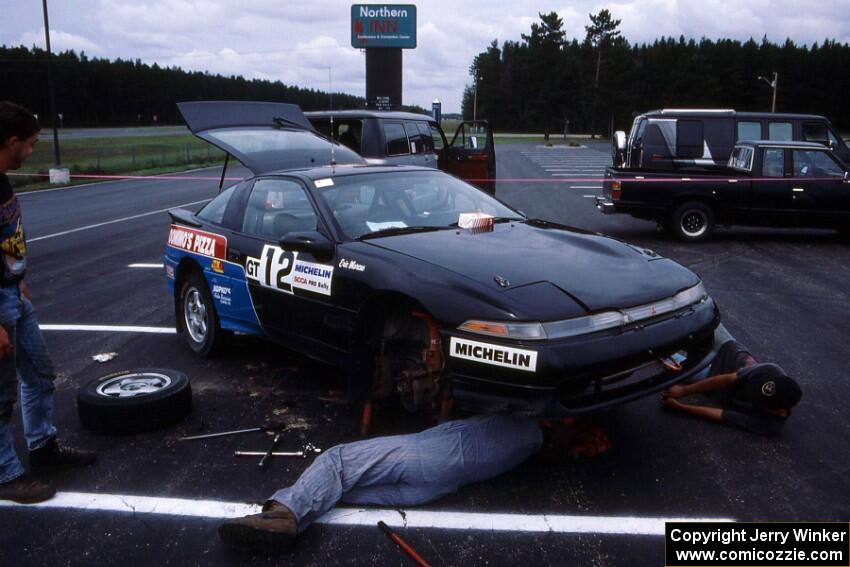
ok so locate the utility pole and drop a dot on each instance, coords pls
(773, 84)
(56, 160)
(475, 98)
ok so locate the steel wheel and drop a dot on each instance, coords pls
(693, 222)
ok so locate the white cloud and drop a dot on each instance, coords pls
(61, 41)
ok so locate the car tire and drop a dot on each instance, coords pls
(692, 222)
(198, 318)
(134, 401)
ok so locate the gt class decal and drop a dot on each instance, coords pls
(497, 355)
(197, 241)
(281, 270)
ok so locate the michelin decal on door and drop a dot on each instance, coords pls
(282, 270)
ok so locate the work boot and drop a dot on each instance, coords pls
(274, 529)
(26, 490)
(54, 456)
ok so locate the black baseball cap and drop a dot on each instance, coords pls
(769, 387)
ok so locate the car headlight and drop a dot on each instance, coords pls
(519, 331)
(613, 319)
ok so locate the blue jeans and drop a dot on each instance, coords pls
(31, 363)
(406, 470)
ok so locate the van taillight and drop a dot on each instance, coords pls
(615, 190)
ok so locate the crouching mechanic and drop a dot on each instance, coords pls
(405, 470)
(753, 396)
(23, 355)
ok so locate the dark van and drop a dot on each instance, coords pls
(682, 139)
(406, 138)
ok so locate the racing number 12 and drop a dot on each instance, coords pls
(279, 264)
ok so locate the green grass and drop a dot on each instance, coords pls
(141, 155)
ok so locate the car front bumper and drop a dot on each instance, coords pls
(592, 374)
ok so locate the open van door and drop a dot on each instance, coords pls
(472, 156)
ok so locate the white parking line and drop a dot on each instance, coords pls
(525, 523)
(585, 187)
(144, 265)
(64, 232)
(109, 328)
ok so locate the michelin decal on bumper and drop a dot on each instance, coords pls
(497, 355)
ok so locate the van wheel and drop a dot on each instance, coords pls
(692, 222)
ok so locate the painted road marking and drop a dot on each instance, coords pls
(109, 328)
(144, 266)
(64, 232)
(585, 187)
(527, 523)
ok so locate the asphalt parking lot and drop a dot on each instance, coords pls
(783, 293)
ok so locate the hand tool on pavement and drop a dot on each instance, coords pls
(268, 454)
(403, 545)
(270, 427)
(308, 449)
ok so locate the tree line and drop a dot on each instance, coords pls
(101, 92)
(542, 80)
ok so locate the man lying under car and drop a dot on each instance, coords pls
(753, 396)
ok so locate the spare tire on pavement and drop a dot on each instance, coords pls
(133, 401)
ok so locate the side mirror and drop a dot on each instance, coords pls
(311, 242)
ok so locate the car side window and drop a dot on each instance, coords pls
(811, 163)
(425, 136)
(782, 131)
(416, 145)
(397, 144)
(689, 140)
(773, 162)
(277, 207)
(749, 131)
(437, 137)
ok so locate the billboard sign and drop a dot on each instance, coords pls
(383, 25)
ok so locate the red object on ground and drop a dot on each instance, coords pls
(401, 543)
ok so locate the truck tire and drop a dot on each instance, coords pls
(198, 318)
(133, 401)
(692, 222)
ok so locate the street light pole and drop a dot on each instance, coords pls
(56, 160)
(475, 98)
(773, 84)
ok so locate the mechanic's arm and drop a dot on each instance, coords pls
(704, 412)
(712, 384)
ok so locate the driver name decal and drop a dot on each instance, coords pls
(281, 270)
(197, 241)
(496, 355)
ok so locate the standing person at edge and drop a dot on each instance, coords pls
(23, 354)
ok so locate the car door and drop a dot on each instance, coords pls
(396, 144)
(770, 194)
(471, 155)
(820, 193)
(291, 291)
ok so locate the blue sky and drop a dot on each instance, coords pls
(296, 41)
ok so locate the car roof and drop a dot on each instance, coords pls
(783, 144)
(721, 112)
(368, 114)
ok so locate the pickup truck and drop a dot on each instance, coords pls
(764, 183)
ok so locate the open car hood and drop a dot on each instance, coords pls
(264, 136)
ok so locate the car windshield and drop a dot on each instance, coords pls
(396, 202)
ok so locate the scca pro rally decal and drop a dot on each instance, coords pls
(496, 355)
(282, 270)
(197, 241)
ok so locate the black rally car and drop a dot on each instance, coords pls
(420, 284)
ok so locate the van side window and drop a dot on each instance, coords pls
(818, 132)
(773, 163)
(689, 139)
(749, 131)
(396, 139)
(780, 131)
